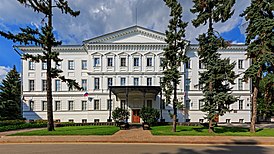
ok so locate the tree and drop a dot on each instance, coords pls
(120, 114)
(149, 115)
(174, 55)
(219, 72)
(46, 40)
(10, 93)
(260, 15)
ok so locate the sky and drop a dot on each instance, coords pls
(99, 17)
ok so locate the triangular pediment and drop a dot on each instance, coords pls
(135, 34)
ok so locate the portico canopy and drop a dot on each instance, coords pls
(118, 90)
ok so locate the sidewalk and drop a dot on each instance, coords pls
(138, 135)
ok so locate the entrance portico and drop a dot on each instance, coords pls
(133, 98)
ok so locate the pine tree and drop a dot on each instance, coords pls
(219, 72)
(46, 40)
(10, 92)
(260, 40)
(174, 55)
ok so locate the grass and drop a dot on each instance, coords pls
(73, 130)
(203, 131)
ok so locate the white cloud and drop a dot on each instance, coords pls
(100, 17)
(3, 72)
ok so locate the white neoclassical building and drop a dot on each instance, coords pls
(123, 69)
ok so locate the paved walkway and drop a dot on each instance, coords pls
(137, 135)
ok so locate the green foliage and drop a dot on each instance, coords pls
(11, 122)
(10, 91)
(174, 54)
(219, 72)
(46, 40)
(149, 115)
(22, 126)
(260, 36)
(120, 114)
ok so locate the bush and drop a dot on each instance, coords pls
(11, 122)
(22, 126)
(120, 114)
(149, 115)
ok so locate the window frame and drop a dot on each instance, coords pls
(31, 65)
(240, 64)
(44, 105)
(136, 61)
(31, 85)
(122, 81)
(136, 81)
(149, 81)
(70, 105)
(44, 85)
(123, 62)
(57, 105)
(44, 65)
(84, 84)
(84, 105)
(96, 62)
(71, 65)
(84, 64)
(110, 62)
(58, 86)
(96, 106)
(149, 62)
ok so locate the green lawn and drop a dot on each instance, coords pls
(202, 131)
(73, 130)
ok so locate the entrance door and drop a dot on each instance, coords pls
(135, 116)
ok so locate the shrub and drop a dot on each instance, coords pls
(149, 115)
(22, 126)
(11, 122)
(120, 114)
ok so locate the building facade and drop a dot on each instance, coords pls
(131, 58)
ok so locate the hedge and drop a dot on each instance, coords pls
(22, 126)
(11, 122)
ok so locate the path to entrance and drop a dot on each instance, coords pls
(138, 135)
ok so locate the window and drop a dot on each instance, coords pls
(31, 85)
(96, 120)
(161, 62)
(149, 103)
(84, 84)
(96, 83)
(84, 121)
(161, 80)
(96, 62)
(109, 104)
(123, 62)
(123, 104)
(240, 84)
(240, 64)
(44, 65)
(201, 120)
(136, 62)
(71, 120)
(58, 65)
(201, 104)
(71, 65)
(187, 104)
(201, 65)
(57, 85)
(123, 82)
(149, 61)
(188, 64)
(149, 81)
(70, 105)
(96, 104)
(241, 121)
(44, 105)
(57, 105)
(84, 105)
(187, 84)
(31, 65)
(135, 81)
(110, 62)
(227, 120)
(109, 81)
(44, 85)
(241, 102)
(31, 105)
(84, 64)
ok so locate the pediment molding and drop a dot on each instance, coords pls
(126, 32)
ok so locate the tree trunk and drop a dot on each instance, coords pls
(49, 81)
(174, 107)
(254, 101)
(210, 127)
(254, 111)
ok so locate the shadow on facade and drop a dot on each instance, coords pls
(29, 114)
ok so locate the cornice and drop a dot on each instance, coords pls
(232, 47)
(67, 48)
(126, 47)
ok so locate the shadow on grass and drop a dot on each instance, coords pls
(230, 129)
